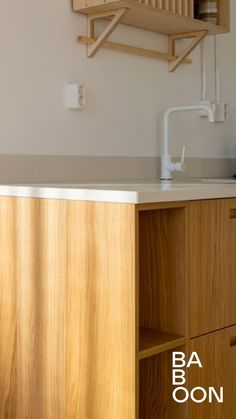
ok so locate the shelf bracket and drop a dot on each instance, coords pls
(98, 43)
(198, 36)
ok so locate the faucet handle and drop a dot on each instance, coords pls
(181, 166)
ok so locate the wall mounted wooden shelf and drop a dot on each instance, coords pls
(153, 342)
(177, 23)
(153, 19)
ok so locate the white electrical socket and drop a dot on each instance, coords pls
(207, 102)
(75, 96)
(221, 111)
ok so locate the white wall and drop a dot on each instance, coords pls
(127, 94)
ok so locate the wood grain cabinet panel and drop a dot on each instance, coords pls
(94, 297)
(41, 288)
(212, 265)
(101, 314)
(8, 311)
(67, 310)
(156, 389)
(217, 352)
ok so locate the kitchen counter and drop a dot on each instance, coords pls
(133, 193)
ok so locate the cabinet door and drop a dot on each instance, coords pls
(217, 352)
(212, 265)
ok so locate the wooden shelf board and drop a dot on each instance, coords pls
(147, 17)
(153, 342)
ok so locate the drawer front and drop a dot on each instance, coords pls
(212, 265)
(217, 352)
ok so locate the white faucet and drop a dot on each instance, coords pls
(167, 166)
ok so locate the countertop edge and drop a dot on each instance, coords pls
(121, 196)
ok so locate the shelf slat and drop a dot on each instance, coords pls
(133, 50)
(153, 342)
(148, 17)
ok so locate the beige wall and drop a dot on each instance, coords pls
(126, 94)
(32, 168)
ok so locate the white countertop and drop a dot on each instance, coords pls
(133, 193)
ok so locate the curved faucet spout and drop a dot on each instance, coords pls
(167, 167)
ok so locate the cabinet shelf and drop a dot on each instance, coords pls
(154, 19)
(153, 342)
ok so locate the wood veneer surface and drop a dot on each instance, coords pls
(162, 273)
(152, 342)
(156, 389)
(101, 334)
(8, 314)
(212, 265)
(67, 310)
(152, 18)
(219, 366)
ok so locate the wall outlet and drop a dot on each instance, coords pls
(75, 96)
(221, 111)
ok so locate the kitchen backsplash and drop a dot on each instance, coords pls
(31, 168)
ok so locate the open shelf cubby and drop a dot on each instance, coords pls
(162, 277)
(162, 306)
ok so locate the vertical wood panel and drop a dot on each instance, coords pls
(7, 310)
(224, 13)
(185, 7)
(172, 6)
(232, 381)
(156, 389)
(228, 273)
(166, 5)
(41, 288)
(101, 340)
(180, 7)
(190, 8)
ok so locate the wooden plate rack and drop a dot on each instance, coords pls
(171, 17)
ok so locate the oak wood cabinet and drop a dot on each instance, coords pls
(217, 351)
(212, 265)
(94, 297)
